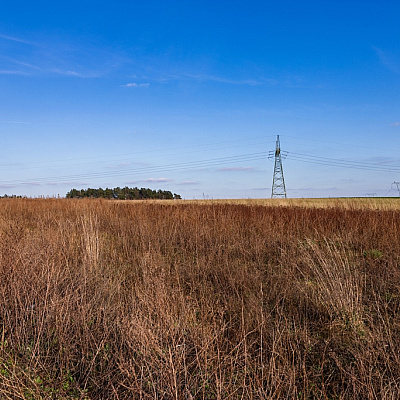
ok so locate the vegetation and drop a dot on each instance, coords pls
(13, 196)
(350, 203)
(125, 193)
(181, 300)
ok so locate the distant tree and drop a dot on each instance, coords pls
(13, 196)
(125, 193)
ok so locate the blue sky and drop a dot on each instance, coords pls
(189, 96)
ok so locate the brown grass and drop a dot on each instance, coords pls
(199, 300)
(351, 203)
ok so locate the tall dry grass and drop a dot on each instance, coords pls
(198, 301)
(350, 203)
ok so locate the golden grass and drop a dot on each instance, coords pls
(352, 203)
(296, 299)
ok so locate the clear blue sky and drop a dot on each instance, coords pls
(189, 96)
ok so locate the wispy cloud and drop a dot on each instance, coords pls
(72, 184)
(387, 60)
(382, 160)
(15, 61)
(7, 186)
(158, 180)
(13, 72)
(31, 184)
(17, 40)
(395, 124)
(73, 74)
(350, 180)
(136, 85)
(79, 184)
(120, 165)
(126, 164)
(188, 183)
(250, 82)
(236, 169)
(218, 79)
(151, 180)
(53, 56)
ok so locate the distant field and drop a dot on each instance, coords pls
(384, 203)
(215, 299)
(372, 203)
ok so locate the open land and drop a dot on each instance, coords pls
(295, 299)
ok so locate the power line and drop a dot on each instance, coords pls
(342, 163)
(109, 161)
(150, 169)
(213, 162)
(117, 157)
(341, 144)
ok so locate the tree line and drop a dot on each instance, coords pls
(12, 196)
(125, 193)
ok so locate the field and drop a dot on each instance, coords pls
(269, 299)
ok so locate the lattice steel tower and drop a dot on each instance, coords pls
(278, 182)
(397, 185)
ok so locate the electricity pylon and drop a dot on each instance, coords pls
(397, 185)
(278, 181)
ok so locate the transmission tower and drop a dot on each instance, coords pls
(278, 182)
(397, 185)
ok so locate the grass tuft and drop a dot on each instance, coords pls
(199, 300)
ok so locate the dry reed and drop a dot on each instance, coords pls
(186, 300)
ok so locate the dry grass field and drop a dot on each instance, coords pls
(268, 299)
(351, 203)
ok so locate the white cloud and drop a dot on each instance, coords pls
(386, 60)
(31, 184)
(157, 180)
(151, 180)
(14, 39)
(134, 84)
(251, 82)
(54, 56)
(11, 72)
(71, 183)
(219, 79)
(188, 183)
(73, 74)
(395, 124)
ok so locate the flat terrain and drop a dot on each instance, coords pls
(295, 299)
(355, 203)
